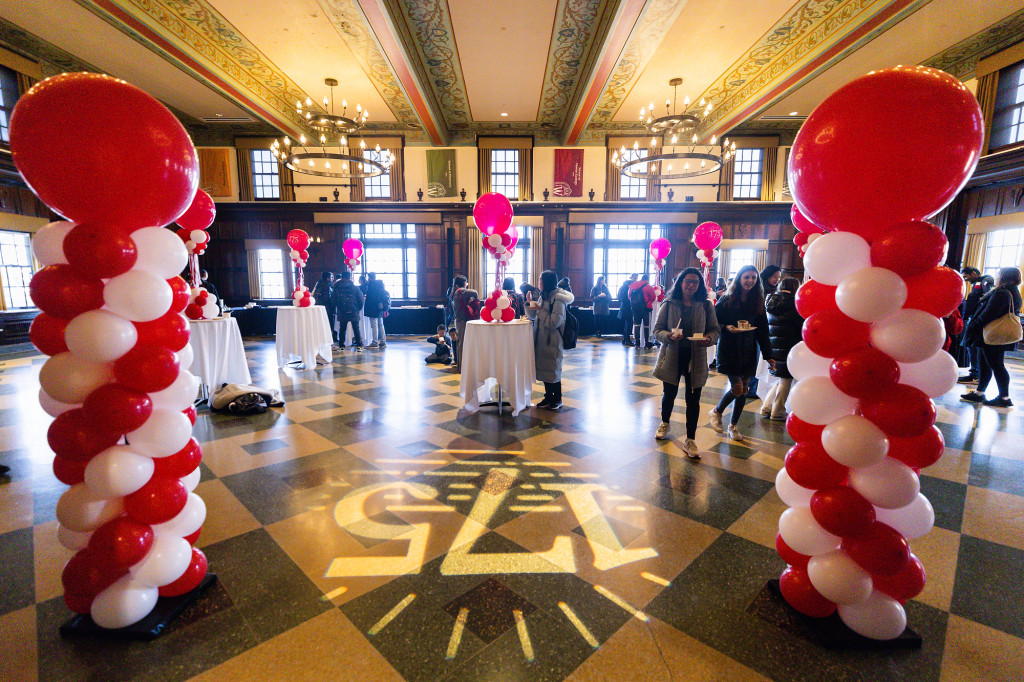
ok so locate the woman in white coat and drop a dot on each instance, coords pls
(548, 315)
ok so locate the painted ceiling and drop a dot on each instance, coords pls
(442, 72)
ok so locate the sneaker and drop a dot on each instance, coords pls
(691, 449)
(973, 397)
(649, 346)
(662, 432)
(967, 380)
(766, 414)
(555, 405)
(716, 422)
(382, 344)
(752, 396)
(359, 349)
(734, 433)
(544, 404)
(779, 417)
(998, 402)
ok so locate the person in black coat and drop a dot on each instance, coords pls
(626, 311)
(602, 298)
(348, 305)
(376, 307)
(508, 285)
(978, 285)
(737, 347)
(322, 294)
(1005, 298)
(785, 328)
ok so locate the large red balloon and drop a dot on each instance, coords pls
(798, 591)
(813, 296)
(117, 408)
(937, 291)
(864, 372)
(170, 330)
(47, 334)
(96, 250)
(799, 430)
(122, 542)
(904, 585)
(200, 213)
(810, 466)
(802, 224)
(879, 550)
(190, 579)
(902, 411)
(158, 501)
(147, 367)
(909, 248)
(62, 291)
(790, 555)
(85, 575)
(707, 236)
(94, 148)
(842, 511)
(74, 436)
(926, 131)
(492, 213)
(920, 451)
(181, 463)
(68, 471)
(830, 333)
(297, 239)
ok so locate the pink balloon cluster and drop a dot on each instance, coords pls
(353, 250)
(111, 322)
(298, 240)
(871, 358)
(498, 308)
(493, 215)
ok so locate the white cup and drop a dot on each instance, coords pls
(742, 324)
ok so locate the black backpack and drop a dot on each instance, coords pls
(345, 300)
(570, 329)
(636, 298)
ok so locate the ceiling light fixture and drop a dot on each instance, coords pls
(504, 113)
(794, 113)
(329, 142)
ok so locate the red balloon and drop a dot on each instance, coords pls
(62, 291)
(799, 593)
(902, 411)
(121, 542)
(194, 536)
(707, 236)
(190, 579)
(158, 501)
(75, 436)
(937, 291)
(904, 585)
(171, 330)
(147, 367)
(790, 555)
(297, 239)
(879, 550)
(485, 314)
(94, 148)
(909, 248)
(800, 239)
(190, 412)
(85, 575)
(830, 333)
(842, 511)
(809, 466)
(303, 255)
(864, 372)
(47, 334)
(492, 213)
(813, 296)
(96, 250)
(926, 130)
(180, 293)
(117, 408)
(181, 463)
(193, 312)
(801, 431)
(68, 471)
(918, 451)
(200, 213)
(507, 315)
(802, 224)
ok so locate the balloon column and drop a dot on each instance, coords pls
(298, 240)
(202, 305)
(871, 357)
(111, 322)
(660, 248)
(707, 237)
(353, 249)
(493, 215)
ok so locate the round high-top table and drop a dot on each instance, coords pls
(303, 333)
(502, 351)
(218, 356)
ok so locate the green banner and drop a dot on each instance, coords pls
(440, 172)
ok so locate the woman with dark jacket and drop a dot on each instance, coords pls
(626, 311)
(737, 347)
(375, 308)
(518, 302)
(548, 315)
(602, 297)
(1005, 298)
(685, 313)
(785, 328)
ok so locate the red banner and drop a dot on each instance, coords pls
(568, 173)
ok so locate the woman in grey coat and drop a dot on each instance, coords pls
(548, 315)
(685, 313)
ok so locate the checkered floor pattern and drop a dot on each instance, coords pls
(370, 529)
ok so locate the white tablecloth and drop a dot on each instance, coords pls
(303, 333)
(218, 353)
(365, 330)
(500, 351)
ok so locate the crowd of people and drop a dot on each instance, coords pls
(348, 303)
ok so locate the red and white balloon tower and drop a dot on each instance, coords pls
(202, 305)
(298, 241)
(119, 167)
(871, 163)
(493, 216)
(707, 237)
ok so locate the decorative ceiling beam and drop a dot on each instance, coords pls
(962, 59)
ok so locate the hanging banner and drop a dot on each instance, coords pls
(568, 173)
(440, 173)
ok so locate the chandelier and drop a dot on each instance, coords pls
(680, 132)
(327, 152)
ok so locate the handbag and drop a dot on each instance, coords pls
(1003, 330)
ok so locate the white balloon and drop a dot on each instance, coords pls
(161, 252)
(199, 236)
(871, 294)
(185, 357)
(100, 336)
(118, 471)
(53, 407)
(138, 295)
(190, 246)
(803, 534)
(811, 238)
(836, 255)
(855, 441)
(166, 560)
(164, 433)
(792, 494)
(48, 242)
(71, 539)
(909, 336)
(189, 519)
(67, 378)
(210, 310)
(890, 484)
(179, 395)
(122, 604)
(816, 400)
(293, 254)
(297, 295)
(912, 521)
(804, 364)
(191, 480)
(838, 578)
(878, 617)
(502, 303)
(935, 376)
(81, 509)
(500, 250)
(494, 240)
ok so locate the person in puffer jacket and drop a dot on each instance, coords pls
(548, 315)
(784, 332)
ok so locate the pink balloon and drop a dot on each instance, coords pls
(492, 213)
(660, 248)
(512, 232)
(353, 248)
(707, 236)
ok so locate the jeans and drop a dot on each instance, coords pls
(641, 323)
(553, 391)
(691, 396)
(377, 325)
(343, 323)
(738, 400)
(992, 365)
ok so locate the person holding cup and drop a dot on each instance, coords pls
(686, 327)
(741, 313)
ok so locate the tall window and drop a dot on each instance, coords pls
(746, 179)
(518, 268)
(505, 172)
(272, 273)
(15, 267)
(738, 258)
(1003, 249)
(8, 97)
(391, 254)
(633, 188)
(379, 186)
(1008, 116)
(264, 175)
(620, 250)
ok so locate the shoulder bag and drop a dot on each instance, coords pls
(1003, 330)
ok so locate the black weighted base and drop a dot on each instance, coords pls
(147, 629)
(830, 633)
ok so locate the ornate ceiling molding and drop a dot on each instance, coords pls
(962, 59)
